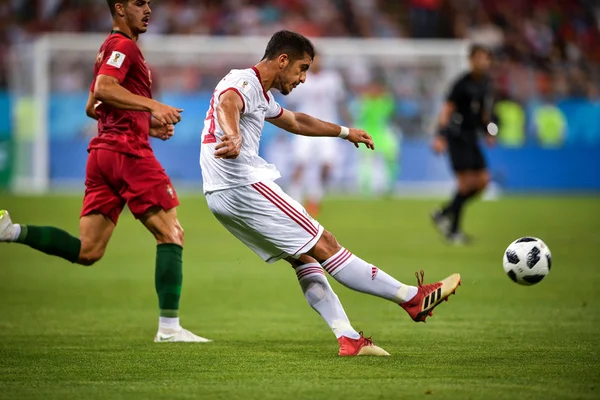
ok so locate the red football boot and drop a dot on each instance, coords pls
(430, 296)
(359, 347)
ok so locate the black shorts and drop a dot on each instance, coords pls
(466, 155)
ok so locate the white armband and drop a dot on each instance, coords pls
(344, 132)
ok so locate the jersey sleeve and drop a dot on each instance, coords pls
(244, 88)
(119, 59)
(455, 92)
(274, 109)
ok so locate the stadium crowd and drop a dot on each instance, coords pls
(545, 49)
(556, 39)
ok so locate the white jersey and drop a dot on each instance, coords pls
(248, 167)
(319, 96)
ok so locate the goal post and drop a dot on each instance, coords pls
(50, 77)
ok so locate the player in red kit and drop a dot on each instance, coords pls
(122, 168)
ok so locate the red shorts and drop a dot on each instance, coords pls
(114, 179)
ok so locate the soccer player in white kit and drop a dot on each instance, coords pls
(323, 97)
(241, 193)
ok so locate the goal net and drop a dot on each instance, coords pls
(50, 79)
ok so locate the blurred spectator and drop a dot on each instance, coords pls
(424, 15)
(543, 47)
(511, 121)
(484, 31)
(374, 112)
(549, 124)
(549, 35)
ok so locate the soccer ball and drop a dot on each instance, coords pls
(527, 260)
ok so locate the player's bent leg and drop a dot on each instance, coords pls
(95, 231)
(482, 179)
(47, 239)
(357, 274)
(164, 225)
(321, 297)
(447, 218)
(323, 300)
(168, 278)
(471, 183)
(168, 233)
(467, 188)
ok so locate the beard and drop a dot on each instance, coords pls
(283, 89)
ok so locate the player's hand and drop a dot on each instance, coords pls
(358, 136)
(439, 145)
(229, 147)
(490, 140)
(160, 131)
(165, 114)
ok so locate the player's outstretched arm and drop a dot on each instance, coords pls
(108, 90)
(228, 115)
(305, 125)
(439, 142)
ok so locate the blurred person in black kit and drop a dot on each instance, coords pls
(465, 117)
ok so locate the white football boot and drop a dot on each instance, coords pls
(178, 335)
(7, 233)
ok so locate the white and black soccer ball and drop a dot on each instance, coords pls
(527, 260)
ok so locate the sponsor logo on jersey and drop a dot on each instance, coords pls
(116, 59)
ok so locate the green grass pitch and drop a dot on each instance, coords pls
(70, 332)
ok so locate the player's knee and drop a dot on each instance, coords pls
(463, 183)
(300, 261)
(471, 183)
(329, 240)
(326, 246)
(89, 257)
(172, 234)
(484, 180)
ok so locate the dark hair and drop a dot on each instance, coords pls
(111, 5)
(291, 43)
(476, 48)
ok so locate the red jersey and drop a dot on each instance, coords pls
(124, 131)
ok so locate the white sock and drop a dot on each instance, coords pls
(361, 276)
(169, 324)
(323, 299)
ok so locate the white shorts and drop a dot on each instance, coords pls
(265, 219)
(311, 150)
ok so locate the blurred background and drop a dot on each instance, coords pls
(546, 74)
(396, 60)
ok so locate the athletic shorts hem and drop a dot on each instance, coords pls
(114, 179)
